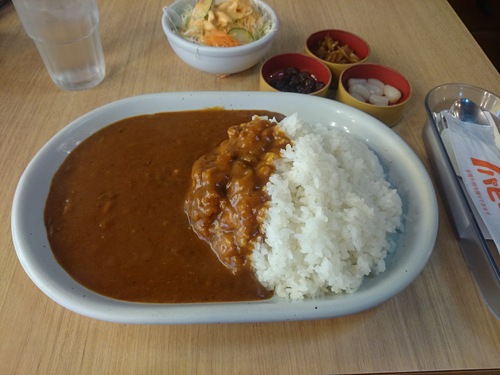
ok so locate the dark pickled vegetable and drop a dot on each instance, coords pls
(294, 80)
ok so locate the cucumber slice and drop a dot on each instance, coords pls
(201, 9)
(241, 35)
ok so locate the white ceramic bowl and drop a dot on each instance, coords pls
(216, 60)
(402, 167)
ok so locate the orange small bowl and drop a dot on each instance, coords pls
(302, 62)
(389, 115)
(357, 44)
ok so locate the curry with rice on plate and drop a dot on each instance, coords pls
(220, 205)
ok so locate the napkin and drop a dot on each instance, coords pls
(477, 161)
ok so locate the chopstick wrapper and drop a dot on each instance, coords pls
(478, 161)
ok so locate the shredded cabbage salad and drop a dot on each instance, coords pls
(224, 23)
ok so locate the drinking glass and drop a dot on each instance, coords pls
(66, 33)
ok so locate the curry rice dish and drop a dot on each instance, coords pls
(219, 205)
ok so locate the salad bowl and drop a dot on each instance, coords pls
(217, 60)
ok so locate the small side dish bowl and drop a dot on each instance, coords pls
(276, 65)
(216, 60)
(358, 45)
(390, 114)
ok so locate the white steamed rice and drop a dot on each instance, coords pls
(330, 214)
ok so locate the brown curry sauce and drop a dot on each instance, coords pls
(227, 201)
(115, 211)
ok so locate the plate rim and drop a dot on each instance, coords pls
(103, 308)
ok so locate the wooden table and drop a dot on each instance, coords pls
(439, 322)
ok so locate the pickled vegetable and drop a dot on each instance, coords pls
(333, 51)
(373, 91)
(294, 80)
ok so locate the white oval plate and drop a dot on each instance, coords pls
(404, 170)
